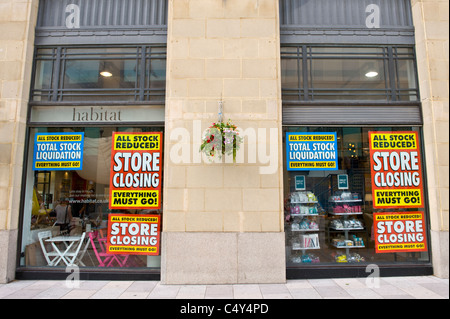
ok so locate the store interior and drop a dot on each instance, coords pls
(329, 224)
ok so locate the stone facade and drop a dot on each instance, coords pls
(224, 221)
(17, 21)
(431, 20)
(223, 51)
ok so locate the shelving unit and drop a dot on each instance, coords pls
(303, 225)
(346, 206)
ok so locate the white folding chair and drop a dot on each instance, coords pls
(78, 255)
(69, 256)
(50, 256)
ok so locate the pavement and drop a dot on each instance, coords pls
(422, 287)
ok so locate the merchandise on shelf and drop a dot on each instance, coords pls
(341, 258)
(296, 245)
(349, 258)
(303, 210)
(358, 241)
(306, 242)
(313, 225)
(309, 241)
(343, 242)
(344, 196)
(341, 209)
(355, 258)
(346, 224)
(303, 197)
(338, 242)
(305, 259)
(304, 224)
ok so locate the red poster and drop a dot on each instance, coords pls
(396, 170)
(134, 234)
(136, 166)
(399, 232)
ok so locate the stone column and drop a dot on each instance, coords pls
(223, 222)
(431, 20)
(17, 21)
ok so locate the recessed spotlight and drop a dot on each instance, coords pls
(371, 74)
(106, 74)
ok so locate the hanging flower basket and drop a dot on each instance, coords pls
(221, 139)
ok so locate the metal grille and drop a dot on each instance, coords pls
(346, 21)
(64, 22)
(347, 115)
(344, 13)
(101, 13)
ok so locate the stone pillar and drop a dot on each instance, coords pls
(223, 222)
(431, 20)
(17, 21)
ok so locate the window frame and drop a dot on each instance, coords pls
(389, 54)
(30, 272)
(331, 269)
(142, 92)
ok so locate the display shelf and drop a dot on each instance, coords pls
(344, 247)
(310, 248)
(345, 214)
(347, 229)
(303, 209)
(342, 201)
(304, 202)
(304, 215)
(343, 209)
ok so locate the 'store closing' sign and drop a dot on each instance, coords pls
(396, 170)
(136, 171)
(133, 234)
(399, 232)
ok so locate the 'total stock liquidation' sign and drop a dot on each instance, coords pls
(396, 170)
(134, 234)
(58, 152)
(399, 232)
(311, 151)
(136, 171)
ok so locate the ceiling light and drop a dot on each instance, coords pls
(371, 74)
(106, 74)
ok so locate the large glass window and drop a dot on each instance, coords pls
(331, 215)
(79, 198)
(99, 74)
(348, 73)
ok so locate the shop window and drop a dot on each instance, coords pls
(348, 73)
(83, 197)
(42, 184)
(332, 216)
(99, 74)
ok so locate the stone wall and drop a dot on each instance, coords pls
(431, 20)
(223, 51)
(17, 20)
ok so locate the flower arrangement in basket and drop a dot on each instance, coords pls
(221, 139)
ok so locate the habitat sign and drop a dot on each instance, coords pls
(311, 151)
(58, 151)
